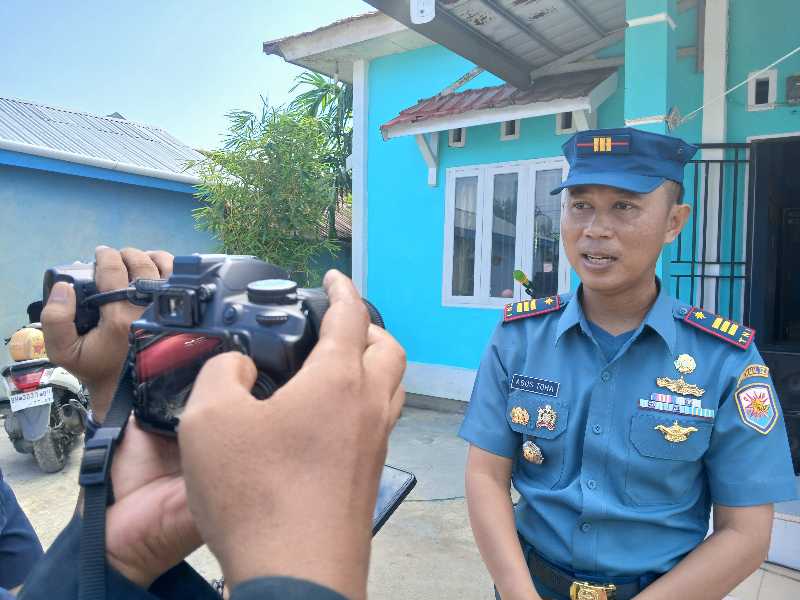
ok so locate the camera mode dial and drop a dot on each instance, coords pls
(272, 291)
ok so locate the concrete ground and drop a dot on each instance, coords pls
(425, 551)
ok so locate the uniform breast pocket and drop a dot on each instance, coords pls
(543, 420)
(665, 457)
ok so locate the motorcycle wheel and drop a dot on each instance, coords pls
(50, 453)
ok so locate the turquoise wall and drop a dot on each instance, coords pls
(406, 216)
(53, 218)
(760, 33)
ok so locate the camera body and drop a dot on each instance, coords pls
(81, 277)
(212, 303)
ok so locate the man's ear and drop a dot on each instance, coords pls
(677, 218)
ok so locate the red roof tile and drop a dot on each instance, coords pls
(546, 89)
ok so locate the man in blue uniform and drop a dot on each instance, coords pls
(621, 414)
(19, 545)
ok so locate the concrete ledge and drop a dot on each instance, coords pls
(443, 405)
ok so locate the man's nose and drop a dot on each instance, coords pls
(598, 226)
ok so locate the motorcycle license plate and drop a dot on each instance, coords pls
(29, 399)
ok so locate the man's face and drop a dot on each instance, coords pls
(613, 237)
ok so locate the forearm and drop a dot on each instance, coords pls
(491, 515)
(712, 570)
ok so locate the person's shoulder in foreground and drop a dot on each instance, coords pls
(56, 576)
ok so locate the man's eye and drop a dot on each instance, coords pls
(623, 206)
(580, 205)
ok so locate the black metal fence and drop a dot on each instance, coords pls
(711, 260)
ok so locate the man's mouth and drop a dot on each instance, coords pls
(599, 260)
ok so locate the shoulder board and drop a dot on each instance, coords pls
(717, 325)
(532, 308)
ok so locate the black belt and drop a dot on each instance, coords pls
(565, 584)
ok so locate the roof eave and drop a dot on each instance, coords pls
(590, 102)
(98, 162)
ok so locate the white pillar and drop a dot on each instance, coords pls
(360, 123)
(715, 72)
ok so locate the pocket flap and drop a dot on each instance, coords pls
(690, 437)
(544, 418)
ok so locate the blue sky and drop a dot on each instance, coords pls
(177, 64)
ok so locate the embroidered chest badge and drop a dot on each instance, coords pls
(546, 418)
(684, 364)
(757, 407)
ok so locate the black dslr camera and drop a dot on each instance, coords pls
(211, 304)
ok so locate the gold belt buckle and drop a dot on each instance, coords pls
(583, 590)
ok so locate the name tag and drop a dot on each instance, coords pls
(534, 385)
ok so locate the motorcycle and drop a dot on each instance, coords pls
(47, 404)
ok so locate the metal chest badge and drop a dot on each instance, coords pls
(546, 418)
(520, 416)
(675, 433)
(684, 364)
(532, 453)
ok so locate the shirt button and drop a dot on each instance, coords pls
(605, 376)
(597, 429)
(591, 484)
(586, 527)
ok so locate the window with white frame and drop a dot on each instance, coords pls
(762, 90)
(509, 130)
(457, 137)
(499, 218)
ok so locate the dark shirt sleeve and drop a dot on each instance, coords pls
(55, 577)
(283, 588)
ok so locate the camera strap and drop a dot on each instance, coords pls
(95, 478)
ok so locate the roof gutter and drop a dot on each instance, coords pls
(98, 162)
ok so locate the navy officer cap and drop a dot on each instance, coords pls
(626, 158)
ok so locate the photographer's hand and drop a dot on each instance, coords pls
(97, 357)
(149, 528)
(287, 486)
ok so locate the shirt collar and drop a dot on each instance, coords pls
(659, 318)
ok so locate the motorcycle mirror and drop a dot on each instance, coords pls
(35, 311)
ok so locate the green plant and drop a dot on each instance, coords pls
(332, 103)
(268, 190)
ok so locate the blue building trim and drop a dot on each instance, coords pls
(29, 161)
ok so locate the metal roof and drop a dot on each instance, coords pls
(332, 49)
(518, 40)
(546, 89)
(104, 142)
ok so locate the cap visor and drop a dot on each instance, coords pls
(638, 184)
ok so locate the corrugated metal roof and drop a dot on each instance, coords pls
(546, 89)
(274, 46)
(515, 38)
(92, 139)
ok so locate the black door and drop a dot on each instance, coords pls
(774, 288)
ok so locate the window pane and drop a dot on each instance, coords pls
(504, 234)
(762, 91)
(464, 219)
(546, 233)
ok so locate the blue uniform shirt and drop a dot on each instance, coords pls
(613, 496)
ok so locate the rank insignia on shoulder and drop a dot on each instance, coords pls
(531, 308)
(725, 329)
